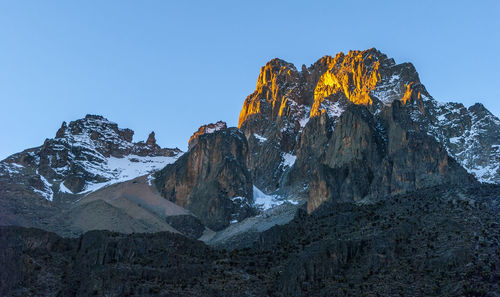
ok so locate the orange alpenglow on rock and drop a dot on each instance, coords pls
(278, 81)
(354, 75)
(409, 93)
(366, 77)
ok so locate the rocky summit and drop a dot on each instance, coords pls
(344, 178)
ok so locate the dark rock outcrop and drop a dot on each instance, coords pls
(102, 263)
(418, 244)
(151, 141)
(187, 225)
(211, 179)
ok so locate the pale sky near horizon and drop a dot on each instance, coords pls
(171, 66)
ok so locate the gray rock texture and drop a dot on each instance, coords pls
(211, 179)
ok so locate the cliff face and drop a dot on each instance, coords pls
(290, 110)
(368, 157)
(211, 179)
(267, 120)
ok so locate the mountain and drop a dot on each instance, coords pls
(85, 155)
(43, 186)
(344, 178)
(275, 116)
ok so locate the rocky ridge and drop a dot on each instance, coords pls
(437, 242)
(85, 155)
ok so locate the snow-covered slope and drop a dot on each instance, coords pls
(471, 135)
(265, 202)
(126, 168)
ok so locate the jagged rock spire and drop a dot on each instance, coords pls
(151, 141)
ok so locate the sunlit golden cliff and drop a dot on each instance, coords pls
(277, 83)
(354, 75)
(358, 77)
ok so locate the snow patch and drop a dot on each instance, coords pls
(486, 173)
(63, 189)
(394, 78)
(218, 126)
(334, 110)
(303, 122)
(238, 198)
(122, 169)
(47, 192)
(150, 179)
(11, 168)
(265, 202)
(288, 160)
(260, 138)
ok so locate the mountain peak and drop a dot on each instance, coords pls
(276, 70)
(95, 117)
(89, 153)
(61, 131)
(359, 77)
(206, 129)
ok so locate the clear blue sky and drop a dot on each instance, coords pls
(172, 66)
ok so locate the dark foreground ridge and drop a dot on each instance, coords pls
(437, 242)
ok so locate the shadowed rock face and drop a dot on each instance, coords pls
(211, 179)
(102, 263)
(367, 157)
